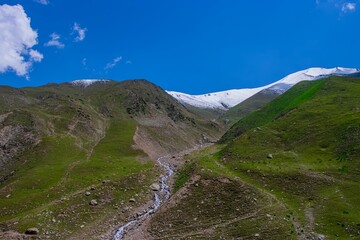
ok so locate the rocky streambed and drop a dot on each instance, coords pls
(159, 198)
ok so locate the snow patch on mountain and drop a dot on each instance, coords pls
(316, 73)
(87, 82)
(216, 100)
(227, 99)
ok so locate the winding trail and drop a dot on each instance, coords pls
(159, 198)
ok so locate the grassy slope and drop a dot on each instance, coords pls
(86, 138)
(80, 148)
(57, 173)
(277, 108)
(213, 203)
(315, 143)
(313, 133)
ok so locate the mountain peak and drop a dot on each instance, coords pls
(87, 82)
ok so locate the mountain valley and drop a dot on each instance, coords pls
(84, 158)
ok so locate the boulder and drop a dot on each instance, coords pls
(132, 200)
(32, 231)
(93, 202)
(87, 193)
(155, 187)
(320, 237)
(269, 156)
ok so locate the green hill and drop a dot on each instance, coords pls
(295, 165)
(300, 93)
(58, 142)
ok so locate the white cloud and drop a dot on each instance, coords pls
(348, 7)
(35, 55)
(54, 41)
(44, 2)
(81, 32)
(84, 61)
(342, 5)
(113, 63)
(128, 62)
(17, 39)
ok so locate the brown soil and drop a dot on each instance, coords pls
(11, 235)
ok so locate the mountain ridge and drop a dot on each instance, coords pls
(227, 99)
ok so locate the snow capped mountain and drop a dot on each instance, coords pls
(217, 100)
(87, 82)
(227, 99)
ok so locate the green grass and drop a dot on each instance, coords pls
(312, 131)
(45, 166)
(313, 139)
(183, 176)
(58, 169)
(112, 158)
(303, 92)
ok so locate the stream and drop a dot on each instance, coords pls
(159, 198)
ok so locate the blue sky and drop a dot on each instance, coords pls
(193, 46)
